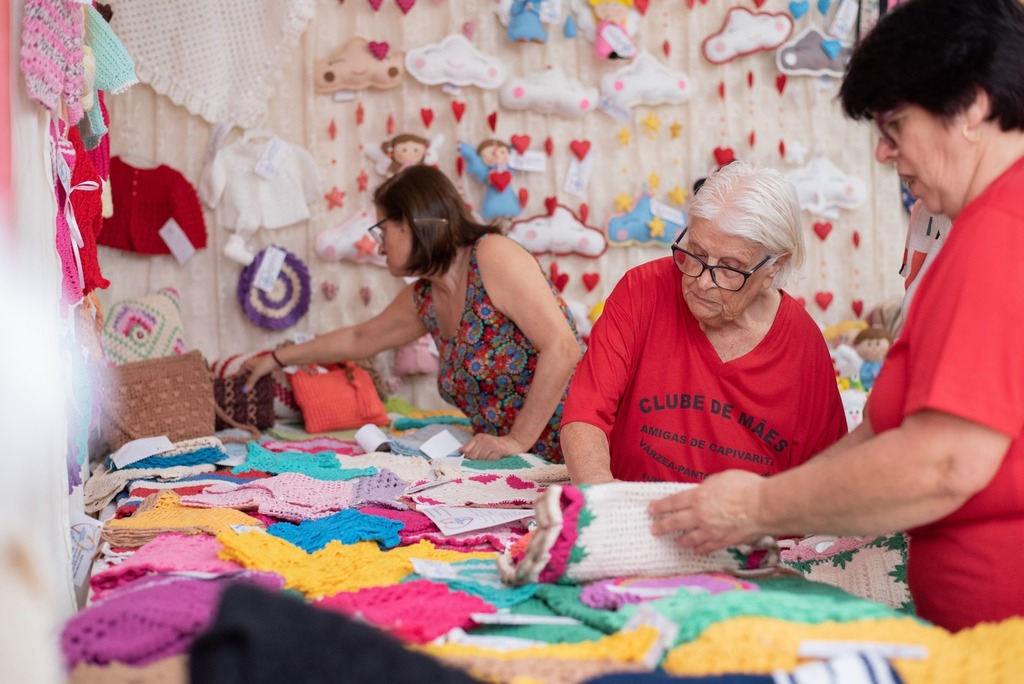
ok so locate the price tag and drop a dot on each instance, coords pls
(270, 161)
(176, 240)
(531, 160)
(668, 213)
(270, 269)
(578, 176)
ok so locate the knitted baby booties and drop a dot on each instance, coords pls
(595, 532)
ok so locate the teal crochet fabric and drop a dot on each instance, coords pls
(549, 634)
(348, 527)
(323, 465)
(405, 423)
(480, 578)
(506, 463)
(207, 454)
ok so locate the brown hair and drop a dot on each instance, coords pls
(872, 333)
(428, 202)
(489, 142)
(388, 146)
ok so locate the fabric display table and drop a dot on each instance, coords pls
(301, 558)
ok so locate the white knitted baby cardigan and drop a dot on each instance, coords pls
(220, 60)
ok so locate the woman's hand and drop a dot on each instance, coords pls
(718, 513)
(257, 367)
(484, 447)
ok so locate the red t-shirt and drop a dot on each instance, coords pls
(673, 411)
(962, 352)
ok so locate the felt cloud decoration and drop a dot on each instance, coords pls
(640, 226)
(811, 53)
(823, 189)
(548, 92)
(350, 241)
(744, 33)
(455, 61)
(357, 65)
(646, 81)
(560, 233)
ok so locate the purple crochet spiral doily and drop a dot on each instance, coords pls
(287, 301)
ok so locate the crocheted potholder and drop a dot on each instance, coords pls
(348, 527)
(481, 578)
(484, 489)
(321, 466)
(612, 594)
(187, 452)
(418, 527)
(582, 531)
(164, 513)
(146, 327)
(285, 303)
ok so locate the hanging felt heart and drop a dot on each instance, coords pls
(364, 294)
(831, 48)
(857, 306)
(329, 289)
(550, 203)
(750, 79)
(780, 83)
(666, 48)
(520, 143)
(856, 238)
(721, 90)
(590, 281)
(469, 29)
(641, 6)
(799, 9)
(559, 280)
(427, 114)
(822, 229)
(375, 4)
(824, 6)
(823, 299)
(458, 109)
(782, 149)
(499, 179)
(752, 138)
(759, 3)
(379, 49)
(724, 155)
(524, 196)
(405, 5)
(360, 114)
(332, 130)
(569, 28)
(460, 166)
(549, 146)
(390, 125)
(492, 120)
(580, 148)
(584, 212)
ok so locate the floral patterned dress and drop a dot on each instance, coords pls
(487, 368)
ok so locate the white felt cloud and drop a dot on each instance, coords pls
(745, 32)
(823, 189)
(454, 60)
(350, 241)
(548, 91)
(559, 233)
(646, 81)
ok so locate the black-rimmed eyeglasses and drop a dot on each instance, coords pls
(725, 277)
(376, 231)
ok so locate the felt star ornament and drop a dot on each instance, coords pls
(677, 196)
(653, 181)
(651, 124)
(363, 180)
(623, 202)
(624, 135)
(335, 198)
(366, 245)
(656, 226)
(675, 129)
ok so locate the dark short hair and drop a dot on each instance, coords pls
(440, 222)
(938, 54)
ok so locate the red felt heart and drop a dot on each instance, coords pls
(823, 299)
(782, 149)
(724, 155)
(856, 238)
(524, 196)
(499, 179)
(550, 203)
(666, 48)
(750, 79)
(379, 49)
(721, 89)
(549, 146)
(375, 4)
(520, 143)
(561, 281)
(460, 166)
(641, 6)
(590, 281)
(360, 114)
(584, 212)
(458, 109)
(332, 130)
(752, 138)
(554, 270)
(759, 3)
(405, 5)
(492, 120)
(689, 4)
(857, 306)
(427, 114)
(390, 125)
(580, 148)
(822, 229)
(780, 83)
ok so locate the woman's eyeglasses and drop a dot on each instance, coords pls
(376, 231)
(725, 277)
(882, 121)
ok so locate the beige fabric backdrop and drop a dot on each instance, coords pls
(806, 114)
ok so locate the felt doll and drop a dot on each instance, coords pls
(611, 40)
(524, 23)
(488, 163)
(403, 151)
(872, 344)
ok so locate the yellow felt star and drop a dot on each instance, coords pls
(676, 129)
(623, 202)
(652, 124)
(657, 226)
(624, 135)
(653, 181)
(677, 196)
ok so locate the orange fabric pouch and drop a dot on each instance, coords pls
(341, 399)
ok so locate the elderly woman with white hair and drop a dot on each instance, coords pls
(700, 362)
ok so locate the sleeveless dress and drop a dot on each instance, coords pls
(487, 368)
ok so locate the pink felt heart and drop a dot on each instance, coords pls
(590, 281)
(364, 294)
(524, 196)
(427, 114)
(375, 4)
(492, 120)
(469, 30)
(329, 289)
(580, 148)
(724, 155)
(458, 109)
(379, 49)
(822, 229)
(405, 5)
(857, 306)
(823, 299)
(550, 203)
(499, 179)
(520, 143)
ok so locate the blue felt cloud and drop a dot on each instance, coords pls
(631, 228)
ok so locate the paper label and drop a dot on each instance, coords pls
(832, 649)
(240, 529)
(551, 12)
(344, 95)
(667, 631)
(503, 618)
(441, 445)
(438, 570)
(498, 643)
(270, 161)
(85, 539)
(176, 240)
(270, 269)
(413, 488)
(578, 176)
(451, 89)
(615, 110)
(530, 160)
(844, 20)
(668, 213)
(457, 519)
(138, 449)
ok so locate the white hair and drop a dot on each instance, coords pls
(756, 204)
